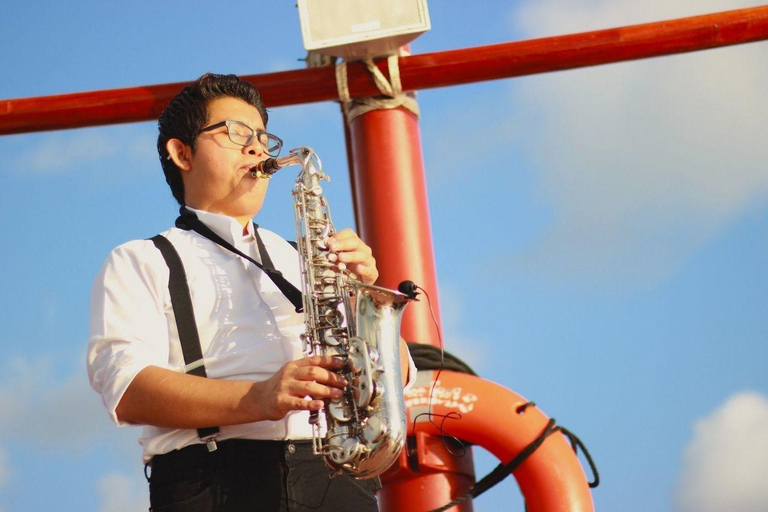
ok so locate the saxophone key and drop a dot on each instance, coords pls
(347, 451)
(332, 339)
(339, 410)
(375, 429)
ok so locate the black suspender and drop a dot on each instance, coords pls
(185, 324)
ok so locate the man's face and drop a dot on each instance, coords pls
(219, 178)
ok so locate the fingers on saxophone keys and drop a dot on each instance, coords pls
(346, 241)
(363, 257)
(334, 379)
(342, 238)
(316, 390)
(307, 405)
(328, 362)
(322, 370)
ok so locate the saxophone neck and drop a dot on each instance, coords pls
(299, 156)
(268, 167)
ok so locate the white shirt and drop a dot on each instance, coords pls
(248, 330)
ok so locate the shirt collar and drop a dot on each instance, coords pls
(225, 226)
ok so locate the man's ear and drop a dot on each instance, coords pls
(180, 153)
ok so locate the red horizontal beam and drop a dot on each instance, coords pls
(422, 71)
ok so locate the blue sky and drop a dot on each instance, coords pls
(601, 237)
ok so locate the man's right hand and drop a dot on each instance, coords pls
(300, 385)
(164, 398)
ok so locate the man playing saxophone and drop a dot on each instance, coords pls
(236, 436)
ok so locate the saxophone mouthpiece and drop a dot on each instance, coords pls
(266, 168)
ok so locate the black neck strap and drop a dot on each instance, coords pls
(189, 221)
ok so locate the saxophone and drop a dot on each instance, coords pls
(366, 427)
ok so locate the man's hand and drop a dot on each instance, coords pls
(289, 388)
(165, 398)
(355, 255)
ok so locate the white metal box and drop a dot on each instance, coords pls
(355, 29)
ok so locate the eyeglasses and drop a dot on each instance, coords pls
(242, 135)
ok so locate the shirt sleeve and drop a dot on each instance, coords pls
(411, 373)
(128, 326)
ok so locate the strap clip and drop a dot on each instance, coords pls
(194, 365)
(210, 442)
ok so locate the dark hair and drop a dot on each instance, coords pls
(187, 113)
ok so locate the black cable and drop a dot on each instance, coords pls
(576, 444)
(431, 358)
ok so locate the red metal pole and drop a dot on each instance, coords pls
(393, 218)
(417, 71)
(393, 211)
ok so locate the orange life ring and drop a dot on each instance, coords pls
(487, 414)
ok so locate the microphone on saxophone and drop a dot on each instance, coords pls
(409, 289)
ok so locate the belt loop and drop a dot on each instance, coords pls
(148, 465)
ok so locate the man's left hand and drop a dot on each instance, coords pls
(355, 255)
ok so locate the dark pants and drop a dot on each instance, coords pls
(254, 476)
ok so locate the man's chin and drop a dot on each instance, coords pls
(245, 207)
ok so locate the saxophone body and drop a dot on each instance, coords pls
(366, 427)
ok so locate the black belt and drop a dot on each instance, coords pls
(233, 449)
(197, 456)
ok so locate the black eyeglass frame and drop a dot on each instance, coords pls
(254, 133)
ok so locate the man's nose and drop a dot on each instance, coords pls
(255, 147)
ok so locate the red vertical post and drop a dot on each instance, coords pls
(392, 210)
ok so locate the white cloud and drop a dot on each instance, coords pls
(726, 462)
(60, 153)
(305, 119)
(57, 414)
(642, 162)
(277, 65)
(555, 17)
(95, 151)
(142, 146)
(456, 340)
(120, 493)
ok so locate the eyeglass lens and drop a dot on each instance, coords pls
(242, 134)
